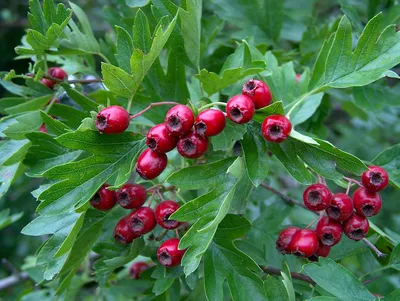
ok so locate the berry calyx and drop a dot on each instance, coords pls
(367, 203)
(151, 164)
(276, 128)
(356, 227)
(123, 232)
(341, 207)
(258, 91)
(304, 243)
(329, 231)
(168, 253)
(210, 123)
(160, 140)
(131, 196)
(142, 220)
(192, 145)
(112, 120)
(138, 268)
(240, 109)
(284, 239)
(375, 178)
(58, 73)
(104, 199)
(179, 120)
(317, 197)
(323, 251)
(163, 211)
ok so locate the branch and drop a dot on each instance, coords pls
(298, 276)
(154, 104)
(12, 280)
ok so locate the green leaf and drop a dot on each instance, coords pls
(274, 289)
(389, 159)
(31, 105)
(118, 81)
(25, 124)
(19, 90)
(69, 115)
(124, 48)
(7, 176)
(54, 125)
(8, 102)
(141, 32)
(227, 138)
(13, 151)
(6, 219)
(306, 109)
(374, 97)
(287, 282)
(394, 296)
(137, 3)
(323, 298)
(162, 285)
(274, 108)
(85, 102)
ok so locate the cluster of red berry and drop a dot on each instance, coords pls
(343, 214)
(54, 72)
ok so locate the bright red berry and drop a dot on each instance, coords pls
(58, 73)
(138, 268)
(375, 178)
(151, 164)
(104, 199)
(112, 120)
(142, 220)
(341, 207)
(48, 82)
(131, 196)
(179, 120)
(43, 128)
(317, 197)
(123, 232)
(192, 145)
(168, 253)
(160, 140)
(323, 251)
(240, 109)
(276, 128)
(163, 211)
(329, 231)
(284, 239)
(259, 93)
(210, 123)
(367, 203)
(356, 227)
(304, 243)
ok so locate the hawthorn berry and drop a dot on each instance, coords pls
(104, 199)
(210, 123)
(298, 76)
(163, 211)
(142, 220)
(123, 232)
(168, 253)
(276, 128)
(138, 268)
(366, 202)
(151, 164)
(258, 91)
(58, 73)
(160, 140)
(240, 109)
(375, 178)
(329, 231)
(356, 227)
(192, 145)
(48, 82)
(341, 207)
(179, 120)
(131, 196)
(284, 239)
(112, 120)
(323, 251)
(43, 128)
(317, 197)
(304, 243)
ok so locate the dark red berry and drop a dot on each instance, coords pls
(375, 178)
(168, 253)
(192, 145)
(104, 199)
(341, 207)
(329, 231)
(276, 128)
(240, 109)
(367, 203)
(163, 211)
(317, 197)
(131, 196)
(179, 120)
(58, 73)
(48, 82)
(259, 93)
(323, 251)
(151, 164)
(112, 120)
(142, 220)
(284, 239)
(304, 243)
(123, 232)
(43, 128)
(356, 227)
(138, 268)
(210, 123)
(160, 140)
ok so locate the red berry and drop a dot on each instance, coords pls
(367, 203)
(142, 220)
(329, 231)
(168, 253)
(48, 82)
(192, 145)
(317, 197)
(112, 120)
(276, 128)
(131, 196)
(323, 251)
(375, 178)
(58, 73)
(210, 123)
(160, 140)
(43, 128)
(151, 164)
(123, 232)
(298, 76)
(341, 207)
(304, 243)
(104, 199)
(284, 239)
(240, 109)
(179, 120)
(138, 268)
(356, 226)
(259, 93)
(163, 211)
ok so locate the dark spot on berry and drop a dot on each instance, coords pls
(142, 175)
(169, 223)
(314, 197)
(236, 114)
(188, 146)
(334, 212)
(165, 258)
(137, 224)
(201, 128)
(280, 248)
(101, 122)
(119, 238)
(313, 257)
(174, 122)
(275, 131)
(368, 210)
(376, 178)
(250, 86)
(327, 239)
(357, 234)
(151, 143)
(96, 198)
(123, 199)
(298, 253)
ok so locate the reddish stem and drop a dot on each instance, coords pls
(352, 180)
(154, 104)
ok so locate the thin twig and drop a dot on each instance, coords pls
(13, 280)
(352, 180)
(298, 276)
(375, 249)
(154, 104)
(9, 266)
(283, 196)
(348, 188)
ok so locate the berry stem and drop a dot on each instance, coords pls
(352, 181)
(53, 100)
(160, 195)
(298, 276)
(177, 233)
(348, 188)
(153, 194)
(313, 222)
(217, 103)
(373, 248)
(154, 104)
(161, 235)
(284, 197)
